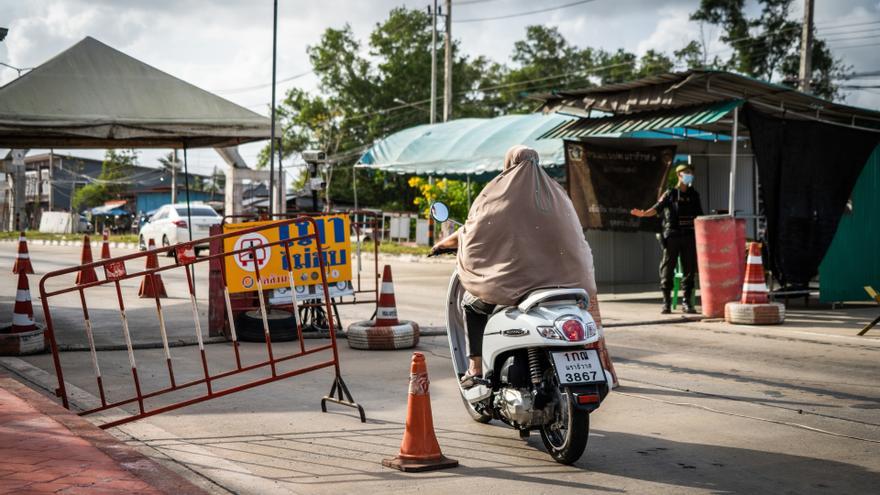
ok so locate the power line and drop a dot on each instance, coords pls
(261, 86)
(520, 14)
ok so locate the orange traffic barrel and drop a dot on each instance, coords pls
(720, 259)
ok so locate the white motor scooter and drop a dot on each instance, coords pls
(541, 366)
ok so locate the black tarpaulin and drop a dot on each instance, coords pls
(605, 183)
(807, 171)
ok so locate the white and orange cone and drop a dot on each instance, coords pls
(419, 450)
(105, 245)
(386, 331)
(386, 311)
(754, 307)
(23, 262)
(151, 285)
(86, 275)
(754, 284)
(23, 313)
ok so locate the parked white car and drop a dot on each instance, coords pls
(169, 225)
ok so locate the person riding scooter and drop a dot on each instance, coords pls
(522, 233)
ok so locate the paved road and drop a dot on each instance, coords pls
(703, 408)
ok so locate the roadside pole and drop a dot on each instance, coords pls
(731, 201)
(433, 62)
(447, 74)
(806, 70)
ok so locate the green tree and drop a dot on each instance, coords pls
(542, 61)
(111, 183)
(767, 46)
(362, 99)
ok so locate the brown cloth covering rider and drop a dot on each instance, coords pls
(522, 234)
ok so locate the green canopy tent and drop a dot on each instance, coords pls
(464, 148)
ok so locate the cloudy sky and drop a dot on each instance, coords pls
(225, 45)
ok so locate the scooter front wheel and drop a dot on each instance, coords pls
(566, 438)
(476, 415)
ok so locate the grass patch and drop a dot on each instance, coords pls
(33, 234)
(395, 248)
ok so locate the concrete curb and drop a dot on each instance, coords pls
(58, 242)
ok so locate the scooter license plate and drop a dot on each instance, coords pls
(580, 366)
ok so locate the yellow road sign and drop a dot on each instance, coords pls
(333, 231)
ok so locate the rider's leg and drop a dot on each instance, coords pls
(475, 324)
(476, 316)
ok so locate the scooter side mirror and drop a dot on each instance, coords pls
(439, 212)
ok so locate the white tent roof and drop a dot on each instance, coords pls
(94, 96)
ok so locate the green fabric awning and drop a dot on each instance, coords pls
(465, 146)
(682, 117)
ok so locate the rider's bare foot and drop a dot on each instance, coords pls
(475, 366)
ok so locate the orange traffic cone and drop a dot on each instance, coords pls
(754, 285)
(86, 275)
(386, 311)
(23, 313)
(105, 245)
(419, 450)
(23, 262)
(151, 285)
(604, 356)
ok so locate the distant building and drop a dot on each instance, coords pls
(52, 180)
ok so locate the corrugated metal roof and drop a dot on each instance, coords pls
(681, 117)
(696, 87)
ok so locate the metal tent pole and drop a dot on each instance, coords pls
(189, 223)
(354, 185)
(733, 148)
(272, 123)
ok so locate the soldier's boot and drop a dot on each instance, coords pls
(686, 306)
(667, 303)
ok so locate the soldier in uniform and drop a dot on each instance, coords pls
(678, 207)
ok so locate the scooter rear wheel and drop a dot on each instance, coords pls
(568, 445)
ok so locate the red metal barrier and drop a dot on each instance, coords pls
(115, 271)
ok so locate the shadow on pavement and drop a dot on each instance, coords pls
(352, 457)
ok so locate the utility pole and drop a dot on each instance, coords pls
(272, 122)
(19, 215)
(51, 176)
(447, 83)
(806, 69)
(433, 61)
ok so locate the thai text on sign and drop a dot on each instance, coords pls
(272, 262)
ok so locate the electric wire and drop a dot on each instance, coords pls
(520, 14)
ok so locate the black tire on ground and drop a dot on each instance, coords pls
(569, 448)
(282, 326)
(166, 243)
(754, 314)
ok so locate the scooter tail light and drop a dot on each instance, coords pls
(572, 330)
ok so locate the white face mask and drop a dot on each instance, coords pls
(688, 179)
